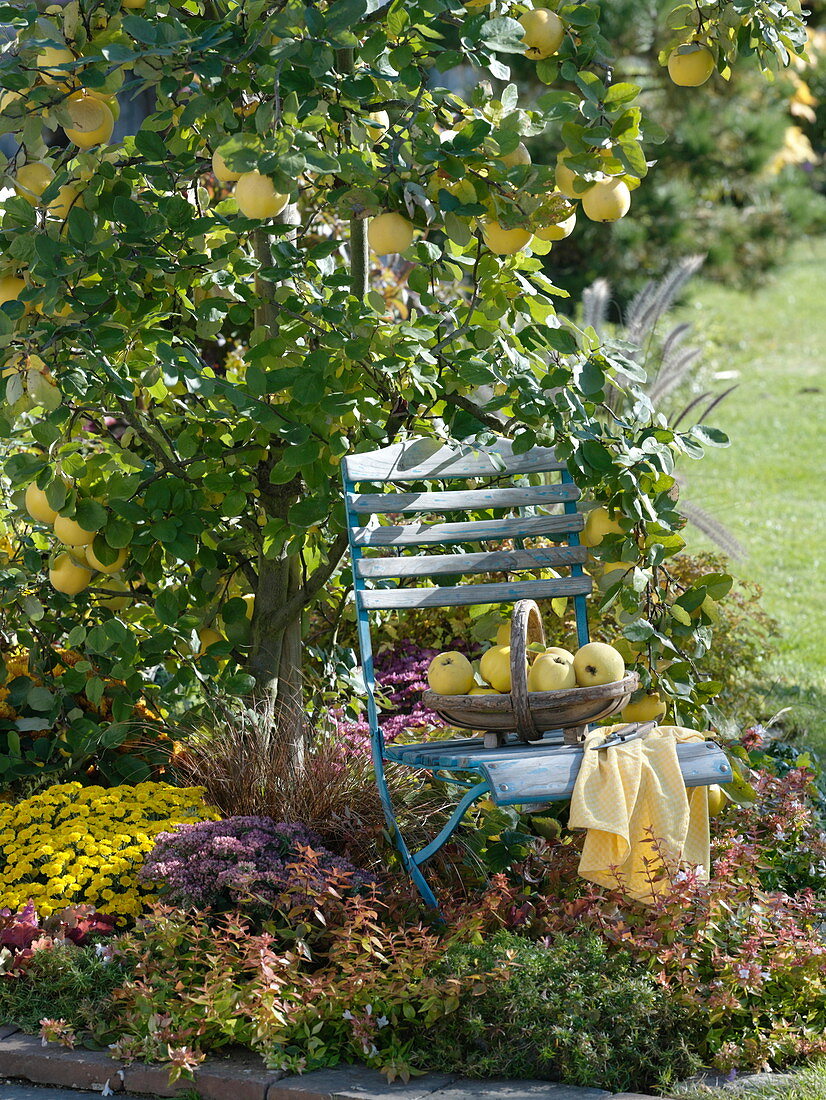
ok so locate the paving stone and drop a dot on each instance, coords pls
(151, 1079)
(637, 1096)
(760, 1081)
(517, 1090)
(242, 1076)
(355, 1083)
(15, 1090)
(744, 1083)
(25, 1056)
(8, 1029)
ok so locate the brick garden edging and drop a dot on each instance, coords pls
(243, 1076)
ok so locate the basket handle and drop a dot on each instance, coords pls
(526, 627)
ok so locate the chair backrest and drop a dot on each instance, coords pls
(425, 461)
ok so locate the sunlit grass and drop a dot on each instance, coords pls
(769, 487)
(806, 1084)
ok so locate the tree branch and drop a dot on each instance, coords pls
(490, 420)
(359, 259)
(299, 600)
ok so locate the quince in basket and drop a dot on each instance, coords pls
(598, 663)
(495, 667)
(450, 674)
(552, 670)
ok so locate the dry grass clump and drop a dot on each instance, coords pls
(250, 762)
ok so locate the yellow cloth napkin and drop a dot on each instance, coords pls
(628, 794)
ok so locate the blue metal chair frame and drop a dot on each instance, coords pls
(516, 774)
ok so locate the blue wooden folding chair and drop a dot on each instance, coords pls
(513, 498)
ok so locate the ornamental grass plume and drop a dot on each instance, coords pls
(248, 767)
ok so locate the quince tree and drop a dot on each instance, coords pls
(194, 329)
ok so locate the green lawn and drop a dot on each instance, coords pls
(808, 1084)
(769, 486)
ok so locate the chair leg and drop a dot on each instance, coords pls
(413, 870)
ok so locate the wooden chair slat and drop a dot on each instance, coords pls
(377, 599)
(469, 499)
(545, 770)
(429, 534)
(553, 777)
(421, 459)
(487, 561)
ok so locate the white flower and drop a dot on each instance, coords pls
(744, 972)
(104, 953)
(347, 1014)
(382, 1021)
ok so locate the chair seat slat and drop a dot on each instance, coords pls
(467, 500)
(377, 599)
(488, 561)
(543, 770)
(423, 459)
(429, 534)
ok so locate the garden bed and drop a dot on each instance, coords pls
(239, 931)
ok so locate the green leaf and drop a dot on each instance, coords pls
(596, 455)
(458, 230)
(167, 606)
(141, 30)
(711, 437)
(680, 614)
(80, 226)
(321, 161)
(503, 34)
(95, 688)
(103, 551)
(717, 585)
(33, 608)
(90, 515)
(240, 683)
(344, 14)
(591, 377)
(562, 340)
(40, 698)
(640, 631)
(547, 70)
(619, 94)
(119, 533)
(97, 640)
(151, 146)
(632, 158)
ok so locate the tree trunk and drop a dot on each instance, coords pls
(275, 651)
(275, 654)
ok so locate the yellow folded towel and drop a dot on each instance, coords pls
(628, 794)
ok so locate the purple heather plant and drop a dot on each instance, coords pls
(401, 673)
(245, 862)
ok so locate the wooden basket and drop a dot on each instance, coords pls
(530, 714)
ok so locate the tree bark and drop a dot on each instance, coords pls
(275, 654)
(359, 258)
(275, 646)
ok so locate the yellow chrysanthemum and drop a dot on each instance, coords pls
(59, 847)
